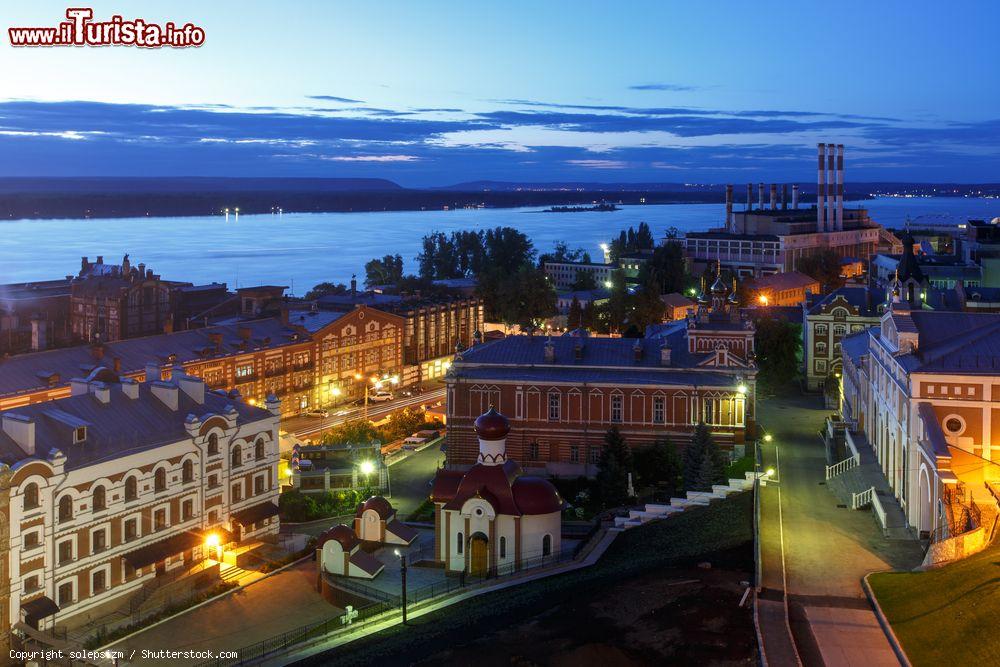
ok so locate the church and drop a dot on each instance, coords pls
(492, 519)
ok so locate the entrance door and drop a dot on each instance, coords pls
(161, 567)
(478, 556)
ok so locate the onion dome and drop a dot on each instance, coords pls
(719, 287)
(379, 504)
(492, 425)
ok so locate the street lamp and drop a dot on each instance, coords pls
(402, 571)
(212, 545)
(768, 437)
(742, 388)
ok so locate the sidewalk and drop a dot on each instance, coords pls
(827, 549)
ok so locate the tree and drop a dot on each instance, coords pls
(385, 271)
(296, 506)
(524, 297)
(694, 456)
(574, 318)
(584, 281)
(614, 466)
(659, 465)
(619, 303)
(667, 267)
(647, 306)
(824, 266)
(777, 344)
(561, 253)
(323, 289)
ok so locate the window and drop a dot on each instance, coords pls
(574, 453)
(65, 550)
(594, 455)
(100, 499)
(99, 540)
(954, 425)
(31, 540)
(708, 415)
(160, 480)
(187, 471)
(31, 496)
(503, 547)
(237, 494)
(65, 508)
(616, 408)
(659, 410)
(187, 509)
(31, 584)
(258, 450)
(258, 485)
(80, 434)
(547, 545)
(213, 481)
(131, 529)
(213, 444)
(244, 371)
(461, 543)
(159, 519)
(554, 405)
(65, 594)
(99, 580)
(236, 457)
(131, 488)
(533, 451)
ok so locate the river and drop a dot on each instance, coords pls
(302, 249)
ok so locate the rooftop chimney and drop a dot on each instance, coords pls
(831, 161)
(78, 387)
(97, 351)
(101, 391)
(760, 196)
(273, 405)
(665, 354)
(153, 372)
(795, 197)
(130, 388)
(578, 350)
(729, 207)
(39, 338)
(821, 189)
(21, 430)
(550, 351)
(354, 285)
(637, 350)
(749, 196)
(840, 186)
(774, 197)
(167, 392)
(193, 386)
(244, 332)
(784, 196)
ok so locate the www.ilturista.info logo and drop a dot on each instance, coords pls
(81, 30)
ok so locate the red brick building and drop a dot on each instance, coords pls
(563, 394)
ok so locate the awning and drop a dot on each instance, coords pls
(37, 609)
(252, 515)
(157, 551)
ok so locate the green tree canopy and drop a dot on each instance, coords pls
(777, 344)
(824, 266)
(614, 466)
(385, 271)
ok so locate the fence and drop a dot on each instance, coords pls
(859, 500)
(841, 467)
(385, 602)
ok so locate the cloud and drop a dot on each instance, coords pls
(373, 158)
(672, 87)
(599, 164)
(334, 98)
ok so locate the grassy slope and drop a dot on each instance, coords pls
(683, 539)
(949, 615)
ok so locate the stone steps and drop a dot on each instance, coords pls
(657, 511)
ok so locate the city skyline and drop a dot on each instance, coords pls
(442, 93)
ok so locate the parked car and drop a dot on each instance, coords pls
(318, 412)
(380, 396)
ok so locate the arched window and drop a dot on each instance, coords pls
(160, 480)
(461, 542)
(213, 444)
(236, 457)
(65, 508)
(100, 499)
(503, 547)
(131, 489)
(547, 545)
(258, 450)
(31, 496)
(533, 451)
(187, 471)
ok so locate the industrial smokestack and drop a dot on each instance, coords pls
(749, 196)
(831, 161)
(760, 196)
(784, 196)
(774, 196)
(795, 197)
(821, 189)
(840, 186)
(729, 208)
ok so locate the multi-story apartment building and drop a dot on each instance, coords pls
(922, 389)
(124, 482)
(312, 359)
(563, 275)
(827, 320)
(563, 394)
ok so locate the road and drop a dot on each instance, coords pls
(306, 427)
(824, 549)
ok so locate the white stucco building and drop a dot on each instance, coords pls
(492, 519)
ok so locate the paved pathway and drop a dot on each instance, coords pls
(827, 549)
(279, 603)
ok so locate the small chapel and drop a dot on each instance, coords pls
(493, 519)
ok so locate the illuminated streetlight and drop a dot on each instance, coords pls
(767, 437)
(762, 299)
(742, 389)
(608, 284)
(366, 468)
(770, 472)
(335, 391)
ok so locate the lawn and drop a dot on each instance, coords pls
(949, 615)
(549, 609)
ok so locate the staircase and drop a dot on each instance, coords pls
(231, 573)
(654, 511)
(854, 483)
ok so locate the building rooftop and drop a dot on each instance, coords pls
(865, 299)
(121, 426)
(40, 370)
(785, 281)
(676, 300)
(955, 342)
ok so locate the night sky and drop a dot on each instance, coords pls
(435, 93)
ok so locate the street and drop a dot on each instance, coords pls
(305, 427)
(816, 551)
